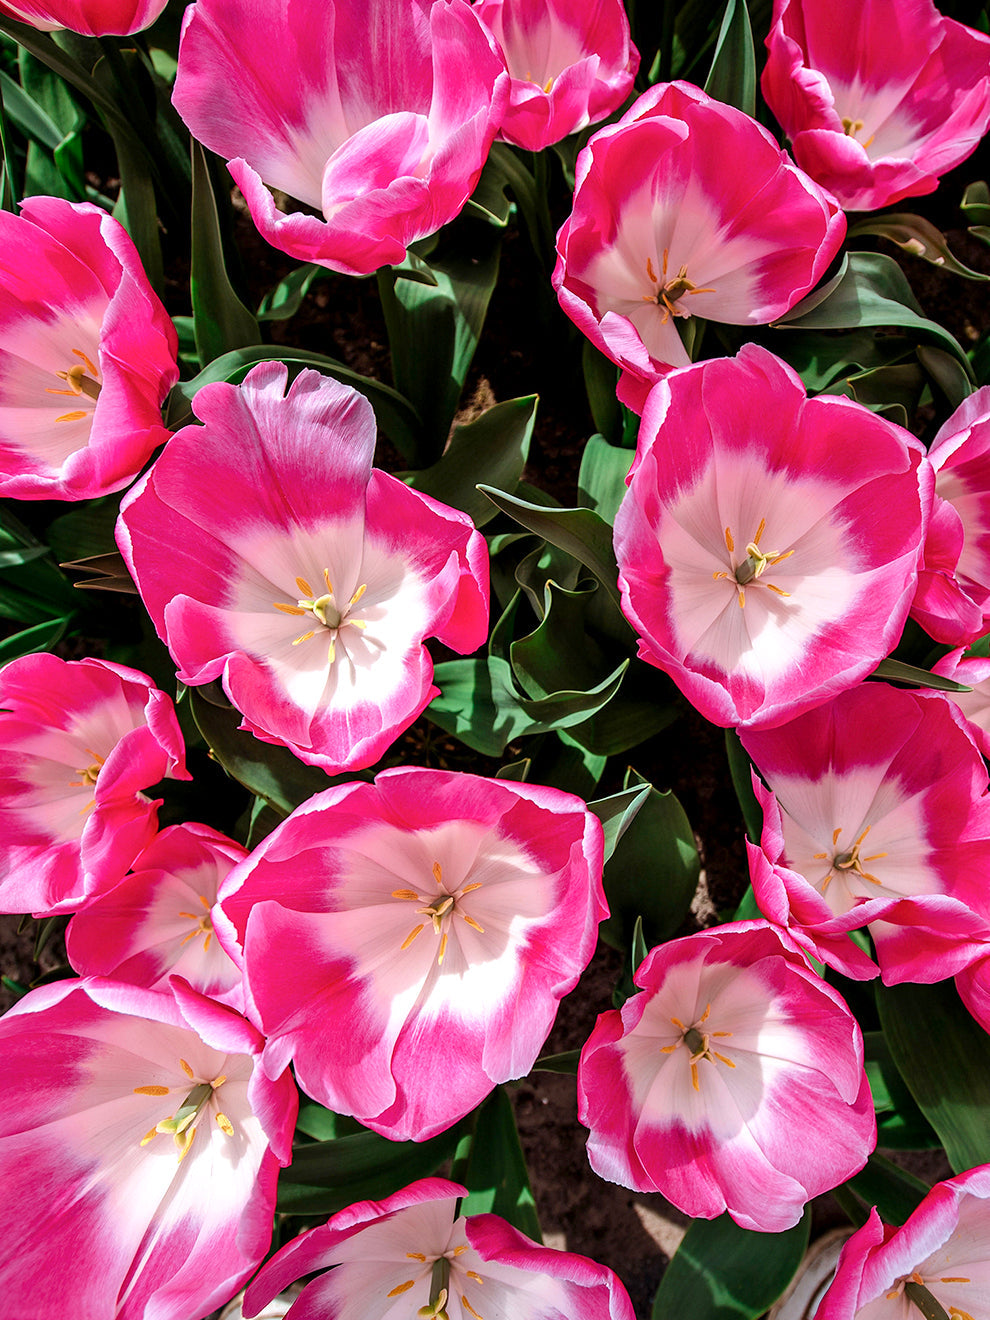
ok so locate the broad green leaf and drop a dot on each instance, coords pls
(943, 1054)
(561, 762)
(32, 119)
(323, 1124)
(895, 1192)
(724, 1272)
(602, 478)
(919, 237)
(529, 188)
(494, 1170)
(600, 378)
(42, 637)
(394, 415)
(287, 296)
(86, 531)
(560, 653)
(732, 78)
(221, 320)
(895, 671)
(270, 772)
(947, 372)
(618, 811)
(900, 1123)
(137, 211)
(491, 449)
(327, 1176)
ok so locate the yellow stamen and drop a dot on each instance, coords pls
(304, 638)
(443, 948)
(71, 417)
(149, 1136)
(464, 1301)
(151, 1090)
(478, 1279)
(359, 593)
(405, 893)
(402, 1287)
(471, 922)
(730, 545)
(415, 1255)
(727, 1062)
(288, 609)
(955, 1279)
(225, 1125)
(326, 579)
(694, 1077)
(409, 938)
(770, 587)
(331, 652)
(304, 588)
(186, 1069)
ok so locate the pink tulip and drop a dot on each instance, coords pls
(413, 1245)
(943, 1251)
(140, 1144)
(751, 559)
(876, 816)
(93, 18)
(571, 64)
(686, 207)
(80, 740)
(272, 556)
(377, 114)
(88, 354)
(433, 921)
(156, 923)
(972, 706)
(952, 602)
(734, 1082)
(878, 97)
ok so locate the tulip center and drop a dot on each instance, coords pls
(698, 1043)
(439, 910)
(914, 1286)
(752, 568)
(325, 610)
(204, 925)
(853, 126)
(668, 292)
(181, 1126)
(81, 385)
(88, 776)
(849, 860)
(440, 1279)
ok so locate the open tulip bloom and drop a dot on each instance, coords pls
(87, 354)
(378, 114)
(93, 18)
(878, 97)
(272, 556)
(414, 1246)
(140, 1144)
(877, 814)
(686, 207)
(80, 739)
(941, 1255)
(571, 64)
(752, 562)
(406, 943)
(733, 1082)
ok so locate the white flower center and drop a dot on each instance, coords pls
(325, 610)
(204, 925)
(751, 569)
(698, 1044)
(181, 1126)
(80, 385)
(667, 292)
(439, 910)
(849, 859)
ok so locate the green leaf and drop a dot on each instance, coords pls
(489, 201)
(895, 671)
(943, 1054)
(491, 449)
(919, 237)
(328, 1176)
(42, 637)
(895, 1192)
(740, 770)
(566, 1063)
(270, 772)
(221, 320)
(900, 1123)
(724, 1272)
(394, 415)
(287, 296)
(495, 1172)
(581, 532)
(560, 654)
(975, 204)
(618, 811)
(732, 78)
(602, 478)
(600, 378)
(32, 119)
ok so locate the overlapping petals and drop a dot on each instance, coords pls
(80, 740)
(877, 815)
(752, 561)
(878, 98)
(432, 921)
(271, 556)
(117, 1205)
(87, 354)
(733, 1082)
(686, 207)
(941, 1253)
(93, 18)
(412, 1245)
(378, 114)
(571, 64)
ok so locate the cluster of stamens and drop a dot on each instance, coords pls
(438, 910)
(698, 1043)
(754, 565)
(849, 860)
(80, 384)
(915, 1287)
(204, 925)
(325, 610)
(667, 291)
(436, 1307)
(88, 776)
(181, 1126)
(851, 127)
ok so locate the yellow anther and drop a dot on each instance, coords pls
(405, 893)
(304, 588)
(438, 873)
(401, 1288)
(415, 1255)
(359, 593)
(471, 1274)
(409, 938)
(326, 579)
(304, 638)
(186, 1069)
(225, 1125)
(151, 1090)
(464, 1301)
(71, 417)
(149, 1136)
(443, 948)
(471, 922)
(288, 609)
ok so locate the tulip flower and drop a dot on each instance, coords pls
(733, 1082)
(272, 557)
(752, 563)
(876, 815)
(93, 18)
(140, 1143)
(571, 64)
(878, 97)
(88, 354)
(378, 115)
(156, 923)
(686, 207)
(80, 740)
(973, 706)
(432, 921)
(952, 602)
(414, 1246)
(941, 1255)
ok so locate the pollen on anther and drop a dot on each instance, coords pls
(468, 1307)
(651, 270)
(443, 948)
(409, 938)
(186, 1069)
(472, 923)
(71, 416)
(415, 1255)
(472, 1274)
(225, 1125)
(151, 1090)
(359, 593)
(402, 1287)
(304, 588)
(730, 545)
(438, 873)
